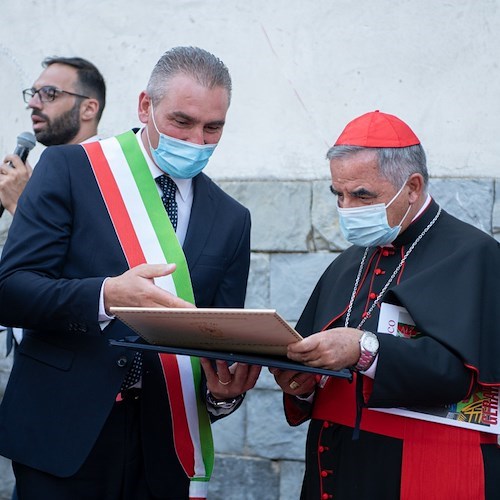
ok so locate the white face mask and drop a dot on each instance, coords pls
(368, 226)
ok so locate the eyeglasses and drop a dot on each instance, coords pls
(47, 94)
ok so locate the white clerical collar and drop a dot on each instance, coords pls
(184, 186)
(427, 202)
(422, 208)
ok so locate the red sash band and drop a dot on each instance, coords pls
(439, 461)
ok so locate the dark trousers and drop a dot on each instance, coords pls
(114, 470)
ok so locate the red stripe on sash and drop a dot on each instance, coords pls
(185, 452)
(115, 205)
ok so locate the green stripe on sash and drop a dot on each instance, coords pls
(207, 450)
(156, 211)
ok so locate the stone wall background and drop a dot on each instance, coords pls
(295, 236)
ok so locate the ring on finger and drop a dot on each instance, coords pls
(294, 385)
(225, 383)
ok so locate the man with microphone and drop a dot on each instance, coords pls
(66, 102)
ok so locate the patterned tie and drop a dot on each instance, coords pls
(168, 188)
(134, 373)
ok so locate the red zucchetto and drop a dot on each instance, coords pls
(377, 130)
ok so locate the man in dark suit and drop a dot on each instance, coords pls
(82, 242)
(66, 102)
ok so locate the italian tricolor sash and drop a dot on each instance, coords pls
(147, 236)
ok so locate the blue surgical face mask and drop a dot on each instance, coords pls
(179, 159)
(368, 226)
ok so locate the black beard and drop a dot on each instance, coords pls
(62, 129)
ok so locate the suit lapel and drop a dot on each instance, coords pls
(201, 219)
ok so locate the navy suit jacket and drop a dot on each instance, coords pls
(65, 378)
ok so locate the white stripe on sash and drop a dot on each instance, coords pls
(136, 210)
(189, 391)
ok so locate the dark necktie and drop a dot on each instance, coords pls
(10, 340)
(168, 188)
(134, 373)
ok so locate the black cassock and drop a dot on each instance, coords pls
(449, 284)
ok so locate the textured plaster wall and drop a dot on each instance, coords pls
(301, 70)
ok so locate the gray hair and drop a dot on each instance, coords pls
(395, 164)
(202, 66)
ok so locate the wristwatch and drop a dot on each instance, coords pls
(369, 345)
(225, 404)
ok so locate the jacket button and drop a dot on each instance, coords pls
(122, 362)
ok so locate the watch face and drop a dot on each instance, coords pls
(370, 343)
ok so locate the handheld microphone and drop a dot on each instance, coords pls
(25, 143)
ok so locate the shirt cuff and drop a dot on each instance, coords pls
(370, 373)
(308, 399)
(102, 317)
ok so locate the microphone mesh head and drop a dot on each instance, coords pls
(27, 140)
